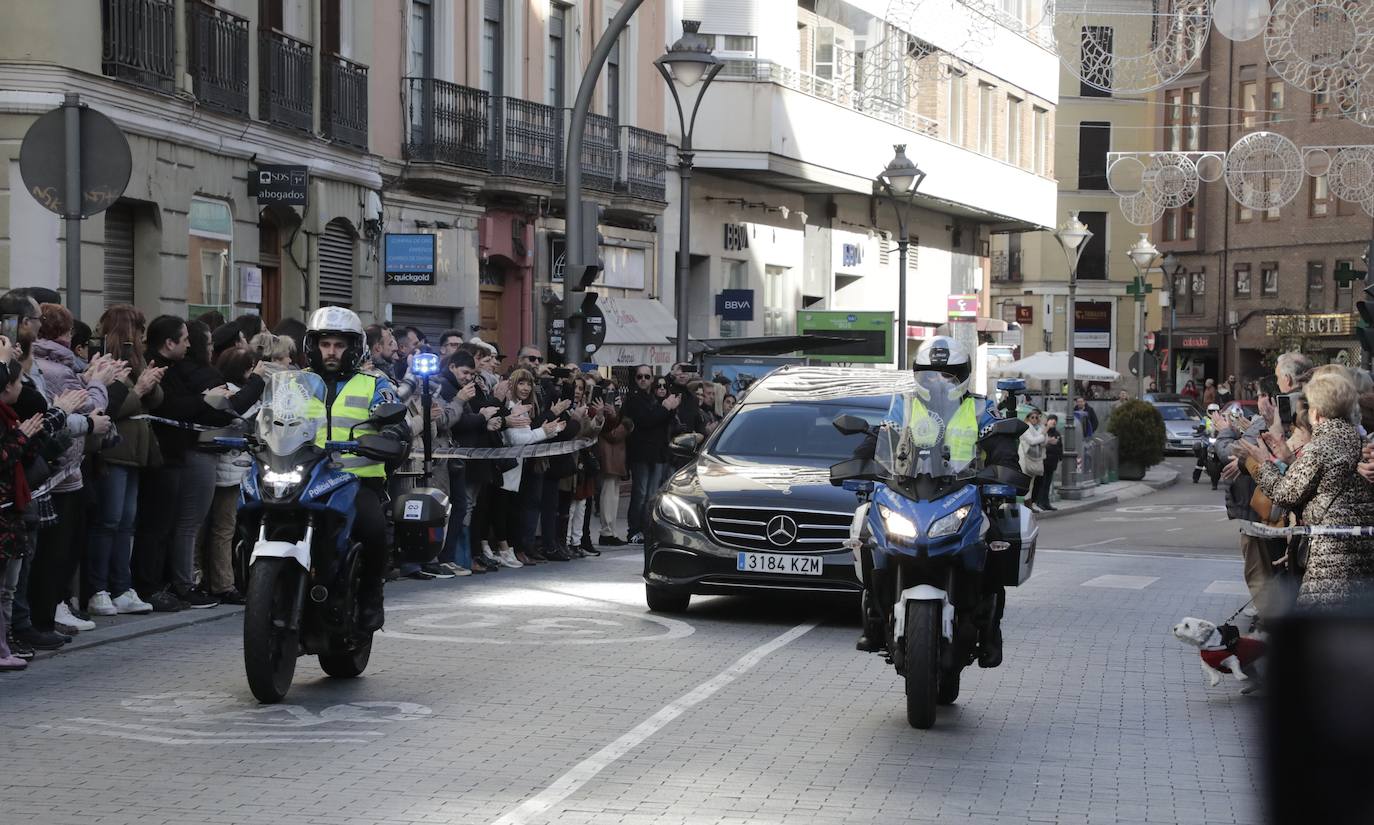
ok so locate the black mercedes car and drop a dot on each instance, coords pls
(754, 508)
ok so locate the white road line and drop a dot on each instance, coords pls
(1096, 543)
(1223, 587)
(1121, 582)
(587, 770)
(1105, 554)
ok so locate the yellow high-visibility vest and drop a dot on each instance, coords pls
(961, 433)
(351, 406)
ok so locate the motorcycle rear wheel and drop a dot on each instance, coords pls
(922, 662)
(269, 650)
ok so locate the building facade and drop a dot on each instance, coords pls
(407, 117)
(805, 114)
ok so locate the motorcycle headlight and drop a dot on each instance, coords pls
(677, 510)
(282, 484)
(896, 524)
(950, 524)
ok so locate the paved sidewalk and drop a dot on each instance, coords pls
(1159, 477)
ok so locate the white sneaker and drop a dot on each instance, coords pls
(64, 616)
(100, 605)
(129, 602)
(507, 559)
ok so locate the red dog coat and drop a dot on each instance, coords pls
(1246, 649)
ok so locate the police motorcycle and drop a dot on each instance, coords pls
(1204, 450)
(296, 511)
(936, 538)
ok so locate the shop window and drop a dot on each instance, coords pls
(210, 259)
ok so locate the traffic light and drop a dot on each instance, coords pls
(578, 303)
(1364, 330)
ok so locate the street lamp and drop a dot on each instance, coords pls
(689, 61)
(1072, 236)
(1169, 267)
(899, 181)
(1143, 255)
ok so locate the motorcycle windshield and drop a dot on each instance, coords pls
(914, 438)
(284, 422)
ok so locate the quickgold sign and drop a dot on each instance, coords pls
(1332, 325)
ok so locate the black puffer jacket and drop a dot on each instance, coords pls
(648, 441)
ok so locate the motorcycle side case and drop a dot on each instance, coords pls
(1016, 525)
(420, 517)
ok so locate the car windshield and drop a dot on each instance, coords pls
(1177, 412)
(791, 430)
(284, 422)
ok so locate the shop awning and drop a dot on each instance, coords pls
(768, 344)
(638, 331)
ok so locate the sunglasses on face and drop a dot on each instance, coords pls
(534, 359)
(643, 377)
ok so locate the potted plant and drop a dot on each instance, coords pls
(1139, 431)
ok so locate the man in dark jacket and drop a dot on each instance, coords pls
(1054, 453)
(647, 447)
(1257, 554)
(474, 419)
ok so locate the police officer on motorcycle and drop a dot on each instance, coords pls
(335, 347)
(969, 429)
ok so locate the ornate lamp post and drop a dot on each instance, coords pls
(899, 181)
(1142, 255)
(1169, 266)
(1072, 236)
(689, 62)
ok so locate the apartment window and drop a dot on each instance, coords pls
(493, 48)
(1180, 224)
(421, 61)
(823, 55)
(1274, 100)
(1316, 271)
(1182, 110)
(958, 97)
(613, 83)
(557, 54)
(1040, 140)
(1092, 265)
(736, 277)
(1096, 61)
(1242, 280)
(987, 119)
(775, 301)
(1345, 295)
(1269, 278)
(1319, 196)
(1013, 131)
(1321, 106)
(1244, 214)
(1249, 102)
(1094, 141)
(1190, 290)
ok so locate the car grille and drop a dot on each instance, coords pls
(747, 528)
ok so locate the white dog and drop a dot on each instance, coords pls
(1222, 649)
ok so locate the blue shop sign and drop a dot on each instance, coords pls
(735, 305)
(409, 259)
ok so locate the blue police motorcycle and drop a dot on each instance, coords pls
(296, 511)
(936, 538)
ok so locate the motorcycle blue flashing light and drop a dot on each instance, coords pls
(425, 365)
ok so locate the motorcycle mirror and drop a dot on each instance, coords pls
(380, 448)
(389, 413)
(849, 424)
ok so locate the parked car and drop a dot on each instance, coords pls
(1181, 422)
(754, 509)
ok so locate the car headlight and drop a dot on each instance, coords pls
(677, 510)
(950, 524)
(896, 524)
(282, 484)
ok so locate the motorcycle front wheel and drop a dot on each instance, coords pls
(922, 662)
(269, 648)
(347, 658)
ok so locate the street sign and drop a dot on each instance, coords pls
(874, 331)
(408, 258)
(593, 333)
(278, 183)
(735, 304)
(963, 306)
(1151, 363)
(106, 162)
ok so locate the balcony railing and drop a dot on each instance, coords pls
(217, 45)
(139, 42)
(599, 145)
(527, 139)
(343, 101)
(286, 83)
(646, 163)
(447, 123)
(835, 91)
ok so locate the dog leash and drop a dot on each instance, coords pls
(1239, 610)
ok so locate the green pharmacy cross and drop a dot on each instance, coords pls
(1346, 274)
(1139, 288)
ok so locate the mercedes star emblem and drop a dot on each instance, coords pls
(781, 530)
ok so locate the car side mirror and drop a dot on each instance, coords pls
(849, 424)
(684, 446)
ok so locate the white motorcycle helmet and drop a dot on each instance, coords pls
(341, 322)
(944, 354)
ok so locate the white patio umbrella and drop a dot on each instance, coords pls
(1054, 366)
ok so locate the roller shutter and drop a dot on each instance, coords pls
(430, 320)
(119, 255)
(336, 265)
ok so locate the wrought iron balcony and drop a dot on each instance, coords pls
(343, 101)
(527, 139)
(446, 123)
(139, 42)
(217, 57)
(645, 165)
(287, 82)
(599, 145)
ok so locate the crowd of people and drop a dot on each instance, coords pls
(109, 506)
